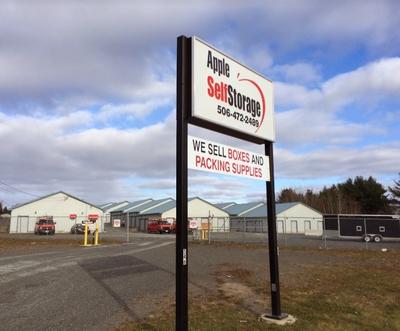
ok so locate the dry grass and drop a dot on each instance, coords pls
(363, 295)
(43, 242)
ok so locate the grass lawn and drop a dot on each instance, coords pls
(361, 295)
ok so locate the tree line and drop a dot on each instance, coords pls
(3, 210)
(354, 196)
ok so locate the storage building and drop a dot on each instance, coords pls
(292, 217)
(110, 207)
(124, 212)
(199, 211)
(63, 208)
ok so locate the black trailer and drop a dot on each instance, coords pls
(366, 227)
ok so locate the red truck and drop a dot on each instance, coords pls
(159, 226)
(45, 225)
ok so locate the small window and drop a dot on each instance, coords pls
(381, 229)
(358, 228)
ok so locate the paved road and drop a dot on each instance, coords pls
(97, 288)
(84, 289)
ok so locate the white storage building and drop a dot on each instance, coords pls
(130, 210)
(199, 211)
(292, 217)
(65, 209)
(110, 207)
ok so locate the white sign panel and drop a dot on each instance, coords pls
(222, 159)
(227, 93)
(192, 224)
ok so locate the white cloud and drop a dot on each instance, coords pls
(316, 116)
(300, 73)
(375, 160)
(47, 155)
(160, 184)
(50, 54)
(294, 95)
(378, 79)
(302, 127)
(137, 110)
(346, 23)
(56, 58)
(112, 164)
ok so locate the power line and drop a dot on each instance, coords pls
(17, 189)
(6, 190)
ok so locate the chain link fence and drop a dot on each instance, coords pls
(301, 232)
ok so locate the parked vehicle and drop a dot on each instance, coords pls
(369, 228)
(192, 225)
(45, 225)
(159, 226)
(79, 228)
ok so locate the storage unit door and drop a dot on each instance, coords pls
(293, 227)
(142, 226)
(279, 226)
(23, 224)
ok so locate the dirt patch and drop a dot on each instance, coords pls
(236, 291)
(232, 272)
(239, 286)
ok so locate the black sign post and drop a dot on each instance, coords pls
(273, 240)
(183, 96)
(183, 110)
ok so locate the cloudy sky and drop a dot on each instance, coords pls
(87, 93)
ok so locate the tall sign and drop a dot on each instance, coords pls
(218, 93)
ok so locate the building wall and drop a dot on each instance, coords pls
(118, 215)
(199, 211)
(301, 218)
(59, 205)
(298, 219)
(108, 211)
(301, 211)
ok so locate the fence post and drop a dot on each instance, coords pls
(284, 230)
(208, 227)
(324, 234)
(127, 226)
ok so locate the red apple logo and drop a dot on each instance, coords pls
(261, 94)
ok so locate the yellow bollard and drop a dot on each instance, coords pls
(86, 235)
(96, 237)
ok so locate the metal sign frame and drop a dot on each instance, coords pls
(183, 118)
